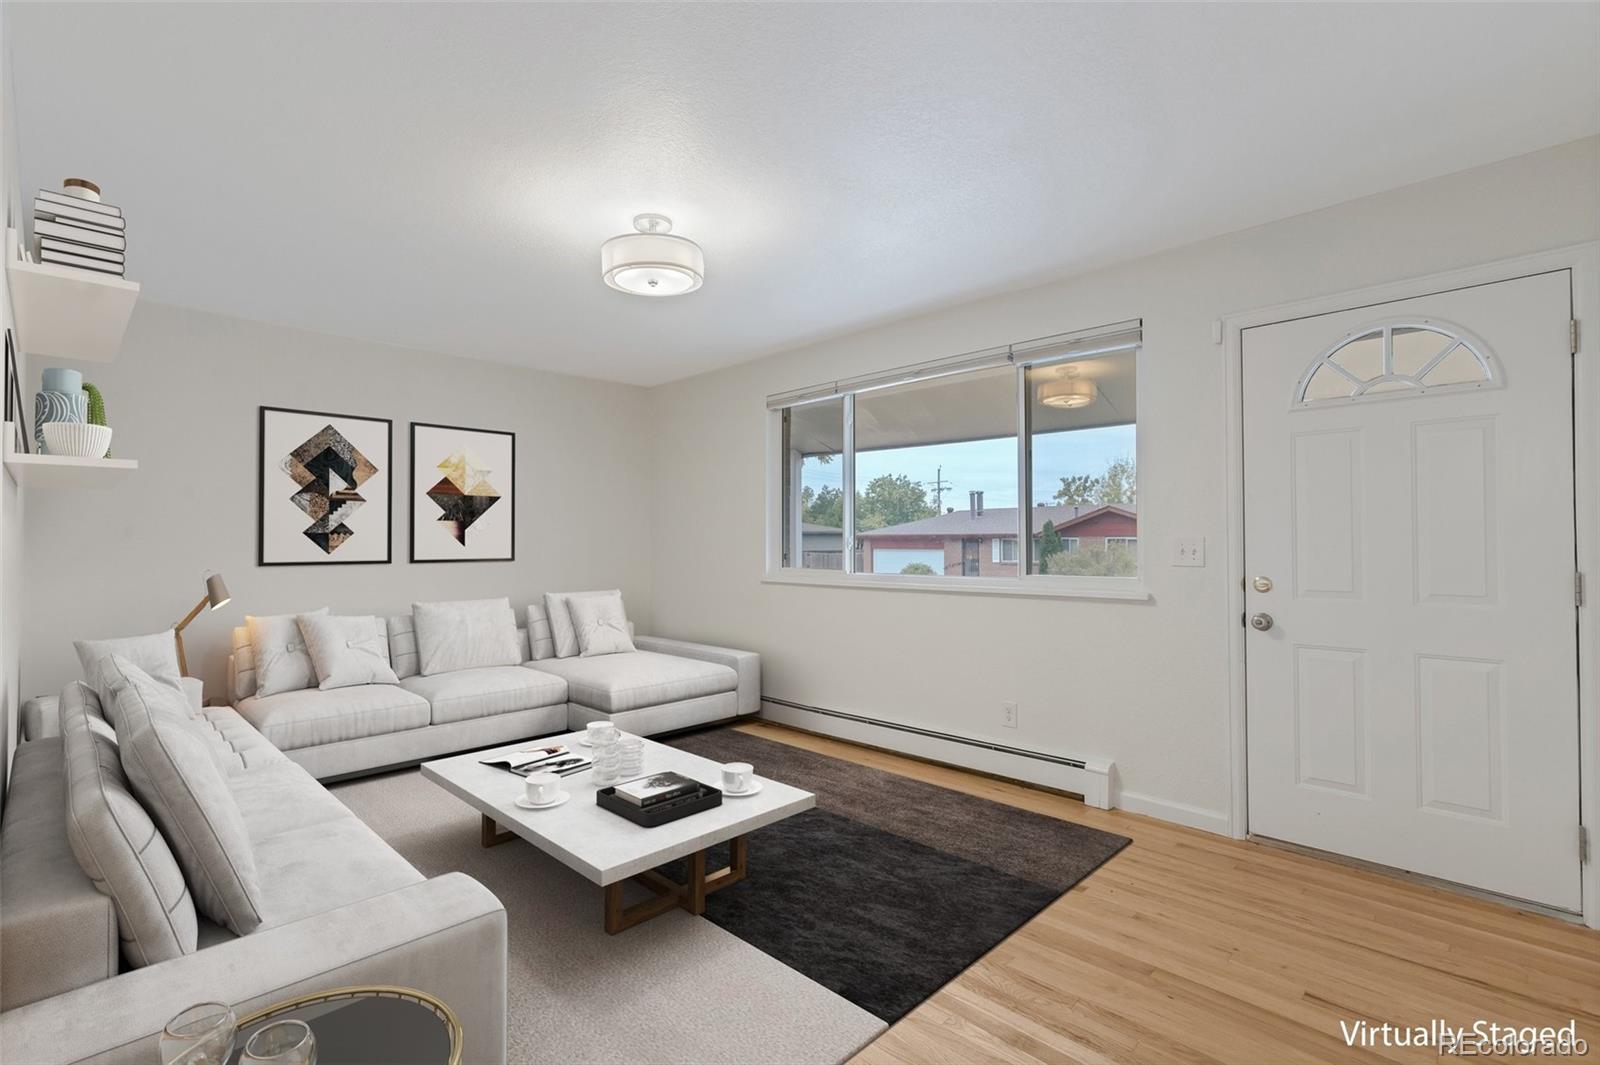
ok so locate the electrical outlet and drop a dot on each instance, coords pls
(1008, 715)
(1189, 551)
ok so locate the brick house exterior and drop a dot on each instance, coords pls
(980, 542)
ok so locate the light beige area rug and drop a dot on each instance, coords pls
(675, 989)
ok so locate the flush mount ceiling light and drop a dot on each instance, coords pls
(1068, 393)
(652, 262)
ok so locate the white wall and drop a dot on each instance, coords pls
(1145, 684)
(11, 505)
(182, 397)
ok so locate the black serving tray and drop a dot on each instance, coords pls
(662, 812)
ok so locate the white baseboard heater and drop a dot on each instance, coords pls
(1088, 777)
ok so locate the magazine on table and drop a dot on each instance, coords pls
(553, 759)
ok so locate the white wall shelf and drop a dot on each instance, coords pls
(64, 313)
(61, 470)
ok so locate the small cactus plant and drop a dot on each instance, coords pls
(97, 407)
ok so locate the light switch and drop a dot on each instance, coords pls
(1189, 551)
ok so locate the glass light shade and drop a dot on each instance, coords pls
(1068, 393)
(652, 264)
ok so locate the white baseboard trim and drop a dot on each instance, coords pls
(1086, 776)
(1180, 813)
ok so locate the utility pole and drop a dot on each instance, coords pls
(939, 487)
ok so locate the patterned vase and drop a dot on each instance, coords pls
(57, 407)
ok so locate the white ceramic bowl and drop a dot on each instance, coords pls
(77, 439)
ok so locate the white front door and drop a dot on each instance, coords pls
(1409, 515)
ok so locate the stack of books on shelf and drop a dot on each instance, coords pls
(78, 232)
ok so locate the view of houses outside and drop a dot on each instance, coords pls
(917, 511)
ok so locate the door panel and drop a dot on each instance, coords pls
(1415, 701)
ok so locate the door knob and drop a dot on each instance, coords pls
(1261, 622)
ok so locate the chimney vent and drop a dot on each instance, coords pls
(975, 503)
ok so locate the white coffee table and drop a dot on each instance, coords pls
(609, 849)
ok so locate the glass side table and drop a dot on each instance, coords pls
(368, 1026)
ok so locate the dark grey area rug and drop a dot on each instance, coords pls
(891, 886)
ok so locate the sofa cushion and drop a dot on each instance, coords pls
(156, 654)
(403, 644)
(174, 774)
(313, 854)
(562, 634)
(635, 679)
(347, 651)
(312, 717)
(246, 748)
(278, 653)
(470, 693)
(601, 624)
(116, 842)
(540, 643)
(465, 634)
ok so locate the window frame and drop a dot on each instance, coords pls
(1083, 344)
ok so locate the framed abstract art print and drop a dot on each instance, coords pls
(463, 494)
(325, 488)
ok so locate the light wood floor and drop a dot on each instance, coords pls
(1188, 947)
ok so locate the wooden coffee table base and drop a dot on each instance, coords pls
(670, 895)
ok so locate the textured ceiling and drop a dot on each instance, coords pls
(441, 176)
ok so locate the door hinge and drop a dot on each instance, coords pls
(1572, 336)
(1583, 845)
(1577, 589)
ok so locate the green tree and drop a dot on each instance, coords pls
(1080, 488)
(1119, 484)
(823, 507)
(921, 569)
(891, 499)
(1049, 544)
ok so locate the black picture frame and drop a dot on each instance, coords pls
(14, 409)
(412, 493)
(261, 488)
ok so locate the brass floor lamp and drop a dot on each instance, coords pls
(216, 595)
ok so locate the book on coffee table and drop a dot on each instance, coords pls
(656, 788)
(556, 758)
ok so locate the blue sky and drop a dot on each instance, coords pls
(989, 466)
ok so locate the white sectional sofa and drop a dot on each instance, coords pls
(662, 686)
(79, 982)
(341, 907)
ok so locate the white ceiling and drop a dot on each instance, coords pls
(441, 176)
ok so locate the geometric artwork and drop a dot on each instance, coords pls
(461, 497)
(325, 488)
(328, 469)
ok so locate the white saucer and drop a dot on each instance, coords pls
(583, 741)
(522, 801)
(755, 786)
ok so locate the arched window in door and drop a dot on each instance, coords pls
(1411, 357)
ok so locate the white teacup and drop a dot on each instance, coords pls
(542, 788)
(599, 732)
(738, 776)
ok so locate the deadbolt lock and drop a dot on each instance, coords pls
(1262, 584)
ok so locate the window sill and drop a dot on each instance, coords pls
(1123, 589)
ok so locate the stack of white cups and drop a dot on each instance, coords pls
(602, 736)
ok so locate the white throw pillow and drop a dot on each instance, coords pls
(465, 635)
(564, 636)
(174, 776)
(347, 650)
(540, 644)
(156, 655)
(282, 662)
(601, 623)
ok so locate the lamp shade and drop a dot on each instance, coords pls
(652, 262)
(1068, 393)
(217, 591)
